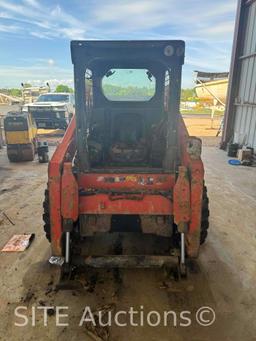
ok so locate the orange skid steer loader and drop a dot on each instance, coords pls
(126, 164)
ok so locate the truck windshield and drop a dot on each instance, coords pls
(53, 98)
(128, 85)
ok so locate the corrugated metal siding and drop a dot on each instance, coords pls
(245, 102)
(241, 108)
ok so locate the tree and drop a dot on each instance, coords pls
(63, 88)
(187, 94)
(15, 92)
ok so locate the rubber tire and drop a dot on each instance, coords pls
(46, 215)
(204, 217)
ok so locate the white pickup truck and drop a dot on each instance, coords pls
(52, 110)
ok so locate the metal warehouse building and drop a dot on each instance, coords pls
(240, 115)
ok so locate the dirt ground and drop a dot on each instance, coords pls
(202, 125)
(223, 278)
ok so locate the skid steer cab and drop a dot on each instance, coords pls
(20, 135)
(126, 165)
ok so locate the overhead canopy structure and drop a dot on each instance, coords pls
(210, 76)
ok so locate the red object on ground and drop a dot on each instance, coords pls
(18, 243)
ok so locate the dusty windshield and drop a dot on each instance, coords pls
(128, 85)
(53, 98)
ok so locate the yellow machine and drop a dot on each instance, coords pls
(20, 135)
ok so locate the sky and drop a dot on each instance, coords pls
(35, 35)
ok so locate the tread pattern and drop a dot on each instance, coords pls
(46, 215)
(205, 216)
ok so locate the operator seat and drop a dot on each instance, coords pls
(128, 141)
